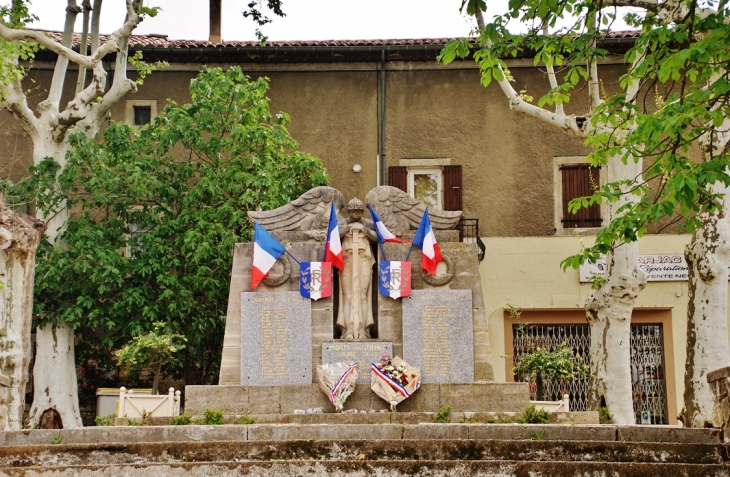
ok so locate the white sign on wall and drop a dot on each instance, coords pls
(663, 267)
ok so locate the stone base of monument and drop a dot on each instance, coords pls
(255, 400)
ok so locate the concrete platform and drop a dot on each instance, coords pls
(255, 400)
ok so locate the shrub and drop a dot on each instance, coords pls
(247, 420)
(443, 415)
(107, 420)
(182, 420)
(532, 415)
(213, 417)
(605, 416)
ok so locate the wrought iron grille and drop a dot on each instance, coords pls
(647, 366)
(469, 233)
(647, 374)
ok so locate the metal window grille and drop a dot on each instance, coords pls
(647, 366)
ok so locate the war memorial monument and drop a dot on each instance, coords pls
(275, 337)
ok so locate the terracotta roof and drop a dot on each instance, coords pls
(160, 41)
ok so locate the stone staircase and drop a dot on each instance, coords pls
(424, 449)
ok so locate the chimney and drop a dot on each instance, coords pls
(215, 21)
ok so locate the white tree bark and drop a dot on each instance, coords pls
(55, 388)
(19, 238)
(708, 259)
(55, 393)
(608, 311)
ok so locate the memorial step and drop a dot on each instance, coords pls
(410, 468)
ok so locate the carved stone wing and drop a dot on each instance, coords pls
(401, 212)
(309, 212)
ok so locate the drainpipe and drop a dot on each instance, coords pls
(381, 179)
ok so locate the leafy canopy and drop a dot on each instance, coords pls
(157, 211)
(676, 122)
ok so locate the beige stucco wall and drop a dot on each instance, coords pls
(432, 111)
(525, 273)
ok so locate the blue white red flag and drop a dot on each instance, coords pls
(266, 251)
(384, 235)
(395, 279)
(315, 280)
(333, 247)
(426, 241)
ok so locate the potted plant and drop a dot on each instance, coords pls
(150, 351)
(560, 365)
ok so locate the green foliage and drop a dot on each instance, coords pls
(679, 60)
(537, 436)
(15, 16)
(605, 416)
(532, 415)
(213, 417)
(182, 420)
(257, 13)
(57, 439)
(506, 420)
(443, 415)
(246, 420)
(560, 364)
(175, 194)
(151, 350)
(143, 68)
(107, 420)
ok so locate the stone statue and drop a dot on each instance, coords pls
(355, 315)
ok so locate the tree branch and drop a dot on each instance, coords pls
(81, 81)
(516, 103)
(10, 34)
(59, 72)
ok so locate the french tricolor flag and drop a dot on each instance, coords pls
(266, 251)
(333, 247)
(384, 235)
(426, 241)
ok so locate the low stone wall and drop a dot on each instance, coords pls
(467, 397)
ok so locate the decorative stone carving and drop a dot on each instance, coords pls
(309, 213)
(400, 212)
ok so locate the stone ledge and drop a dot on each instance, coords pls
(461, 397)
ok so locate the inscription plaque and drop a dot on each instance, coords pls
(438, 335)
(276, 338)
(363, 353)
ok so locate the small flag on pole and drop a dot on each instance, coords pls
(266, 251)
(426, 241)
(384, 235)
(333, 247)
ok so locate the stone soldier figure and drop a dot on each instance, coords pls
(355, 316)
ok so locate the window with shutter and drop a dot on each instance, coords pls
(434, 182)
(579, 180)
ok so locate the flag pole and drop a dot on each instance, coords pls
(292, 256)
(409, 252)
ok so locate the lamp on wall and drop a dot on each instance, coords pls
(356, 168)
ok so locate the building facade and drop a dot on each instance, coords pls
(385, 112)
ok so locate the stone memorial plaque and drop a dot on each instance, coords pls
(276, 338)
(438, 335)
(363, 353)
